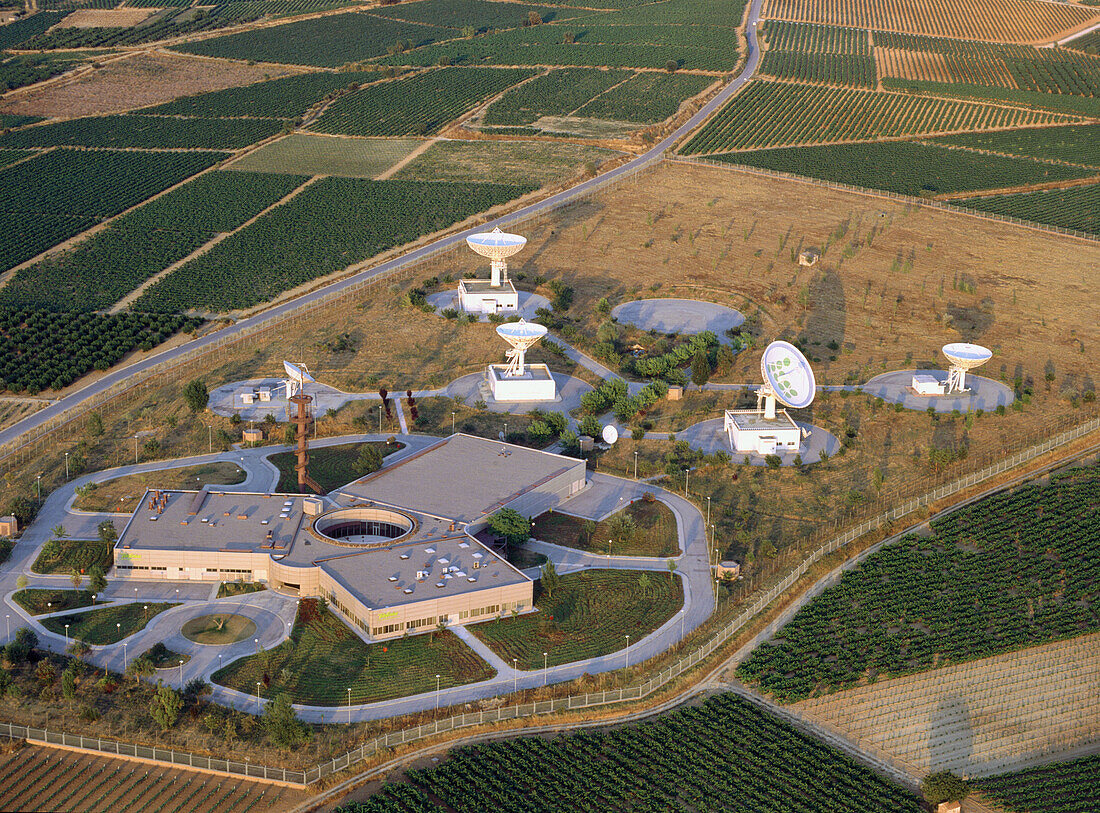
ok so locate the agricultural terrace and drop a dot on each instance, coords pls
(1057, 788)
(1012, 570)
(323, 658)
(33, 778)
(587, 615)
(1023, 21)
(699, 757)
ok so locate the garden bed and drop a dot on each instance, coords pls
(654, 531)
(107, 626)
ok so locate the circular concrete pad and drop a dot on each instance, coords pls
(985, 394)
(205, 629)
(686, 316)
(710, 437)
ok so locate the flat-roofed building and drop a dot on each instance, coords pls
(750, 430)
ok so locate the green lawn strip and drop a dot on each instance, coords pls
(323, 659)
(330, 466)
(655, 533)
(229, 589)
(590, 614)
(65, 555)
(98, 627)
(39, 600)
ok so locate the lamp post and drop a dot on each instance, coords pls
(380, 419)
(125, 659)
(515, 676)
(683, 614)
(626, 652)
(93, 600)
(258, 695)
(506, 431)
(437, 692)
(66, 636)
(543, 668)
(135, 448)
(38, 485)
(349, 705)
(635, 464)
(687, 476)
(118, 626)
(8, 619)
(181, 673)
(452, 423)
(209, 438)
(66, 465)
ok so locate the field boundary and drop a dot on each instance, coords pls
(570, 702)
(931, 203)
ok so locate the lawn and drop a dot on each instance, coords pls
(304, 154)
(122, 494)
(107, 626)
(218, 629)
(37, 600)
(228, 589)
(330, 466)
(66, 555)
(654, 531)
(590, 614)
(323, 658)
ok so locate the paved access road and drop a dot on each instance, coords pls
(68, 402)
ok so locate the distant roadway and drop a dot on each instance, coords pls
(62, 405)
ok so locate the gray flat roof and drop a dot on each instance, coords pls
(461, 478)
(485, 286)
(753, 421)
(531, 372)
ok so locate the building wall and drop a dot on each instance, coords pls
(542, 498)
(176, 565)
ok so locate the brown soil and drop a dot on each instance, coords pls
(105, 18)
(138, 81)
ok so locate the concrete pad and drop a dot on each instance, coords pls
(570, 390)
(710, 437)
(985, 394)
(528, 304)
(685, 316)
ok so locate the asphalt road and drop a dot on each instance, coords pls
(550, 203)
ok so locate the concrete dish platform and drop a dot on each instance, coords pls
(985, 394)
(686, 316)
(710, 437)
(528, 304)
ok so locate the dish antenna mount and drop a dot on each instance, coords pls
(963, 357)
(522, 336)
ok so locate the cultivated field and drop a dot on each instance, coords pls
(1057, 788)
(513, 162)
(35, 778)
(1026, 21)
(12, 410)
(307, 154)
(980, 718)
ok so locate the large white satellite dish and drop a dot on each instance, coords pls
(963, 357)
(610, 434)
(522, 335)
(497, 245)
(788, 378)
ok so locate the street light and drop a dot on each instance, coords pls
(181, 673)
(543, 668)
(38, 483)
(626, 652)
(125, 659)
(687, 476)
(437, 692)
(452, 423)
(257, 695)
(515, 676)
(635, 464)
(349, 705)
(135, 448)
(8, 618)
(66, 636)
(380, 419)
(209, 438)
(66, 465)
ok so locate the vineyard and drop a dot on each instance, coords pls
(104, 268)
(419, 105)
(148, 132)
(818, 53)
(724, 754)
(63, 192)
(1076, 208)
(1075, 144)
(324, 41)
(285, 98)
(33, 778)
(588, 615)
(906, 168)
(1028, 21)
(1064, 787)
(350, 220)
(323, 659)
(13, 34)
(481, 15)
(42, 350)
(646, 97)
(768, 114)
(1013, 570)
(557, 93)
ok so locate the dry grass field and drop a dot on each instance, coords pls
(15, 409)
(36, 778)
(121, 495)
(138, 81)
(1023, 21)
(979, 718)
(105, 18)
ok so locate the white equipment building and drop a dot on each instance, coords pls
(765, 430)
(517, 380)
(496, 294)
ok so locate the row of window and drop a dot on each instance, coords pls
(138, 567)
(349, 614)
(491, 610)
(386, 630)
(228, 570)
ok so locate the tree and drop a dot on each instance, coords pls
(511, 526)
(643, 584)
(550, 580)
(95, 425)
(672, 65)
(588, 530)
(943, 786)
(533, 18)
(96, 580)
(196, 395)
(141, 667)
(369, 460)
(166, 705)
(107, 533)
(19, 649)
(76, 578)
(282, 724)
(622, 527)
(671, 570)
(79, 649)
(68, 685)
(59, 532)
(700, 367)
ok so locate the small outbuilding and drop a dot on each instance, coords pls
(9, 526)
(808, 258)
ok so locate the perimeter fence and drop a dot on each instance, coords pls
(931, 203)
(577, 702)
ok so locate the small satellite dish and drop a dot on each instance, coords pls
(298, 373)
(610, 434)
(500, 435)
(788, 375)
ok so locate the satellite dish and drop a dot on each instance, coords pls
(297, 373)
(963, 357)
(500, 435)
(496, 244)
(522, 336)
(610, 434)
(787, 374)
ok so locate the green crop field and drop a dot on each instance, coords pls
(60, 193)
(1075, 144)
(14, 34)
(724, 754)
(827, 69)
(815, 39)
(481, 15)
(109, 265)
(1013, 570)
(1075, 208)
(11, 156)
(418, 105)
(527, 163)
(1063, 787)
(905, 167)
(324, 41)
(285, 98)
(306, 154)
(1073, 106)
(350, 219)
(330, 466)
(8, 120)
(107, 626)
(589, 615)
(768, 114)
(647, 97)
(323, 659)
(27, 69)
(149, 132)
(557, 93)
